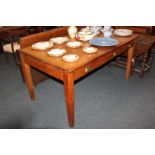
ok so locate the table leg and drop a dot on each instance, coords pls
(27, 77)
(69, 95)
(129, 68)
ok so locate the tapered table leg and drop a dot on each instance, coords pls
(69, 95)
(129, 68)
(28, 77)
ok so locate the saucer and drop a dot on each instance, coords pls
(71, 57)
(56, 52)
(42, 45)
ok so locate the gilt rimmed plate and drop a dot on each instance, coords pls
(74, 44)
(59, 40)
(42, 45)
(104, 41)
(56, 52)
(71, 57)
(89, 50)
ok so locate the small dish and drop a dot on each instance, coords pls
(42, 45)
(89, 50)
(56, 52)
(74, 44)
(71, 57)
(59, 40)
(123, 32)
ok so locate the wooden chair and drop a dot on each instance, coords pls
(12, 44)
(4, 38)
(143, 48)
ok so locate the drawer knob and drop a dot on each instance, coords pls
(87, 69)
(129, 45)
(114, 54)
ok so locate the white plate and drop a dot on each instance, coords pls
(89, 50)
(123, 32)
(56, 52)
(74, 44)
(71, 57)
(59, 40)
(42, 45)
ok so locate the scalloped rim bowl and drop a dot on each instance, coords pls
(71, 57)
(42, 45)
(56, 52)
(89, 50)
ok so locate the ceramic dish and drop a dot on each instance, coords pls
(59, 40)
(56, 52)
(89, 50)
(74, 44)
(123, 32)
(71, 57)
(85, 36)
(85, 32)
(104, 41)
(42, 45)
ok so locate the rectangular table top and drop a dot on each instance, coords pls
(58, 62)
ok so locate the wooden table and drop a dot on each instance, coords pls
(69, 72)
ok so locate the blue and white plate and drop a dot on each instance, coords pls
(104, 41)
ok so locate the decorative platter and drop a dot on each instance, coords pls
(123, 32)
(56, 52)
(59, 40)
(71, 57)
(74, 44)
(89, 50)
(104, 41)
(42, 45)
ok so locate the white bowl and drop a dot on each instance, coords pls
(123, 32)
(74, 44)
(42, 45)
(89, 50)
(56, 52)
(71, 57)
(59, 40)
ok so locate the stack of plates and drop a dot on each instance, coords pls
(123, 32)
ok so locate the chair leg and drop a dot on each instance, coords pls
(14, 56)
(141, 74)
(6, 56)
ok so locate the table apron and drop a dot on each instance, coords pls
(101, 60)
(46, 68)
